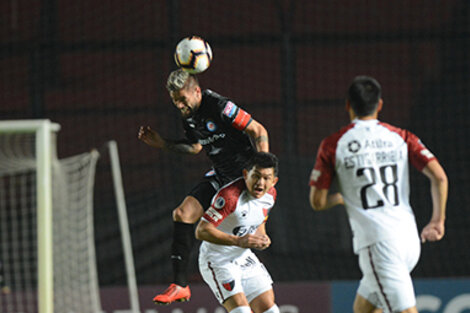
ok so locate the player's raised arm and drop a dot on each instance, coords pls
(153, 139)
(435, 229)
(259, 134)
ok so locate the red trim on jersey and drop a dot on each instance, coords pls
(241, 120)
(273, 192)
(418, 154)
(324, 170)
(219, 208)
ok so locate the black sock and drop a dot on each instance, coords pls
(183, 236)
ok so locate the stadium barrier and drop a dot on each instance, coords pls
(433, 296)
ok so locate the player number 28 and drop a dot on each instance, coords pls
(390, 188)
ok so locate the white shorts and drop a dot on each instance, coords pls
(386, 267)
(245, 274)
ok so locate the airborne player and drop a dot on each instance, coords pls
(228, 135)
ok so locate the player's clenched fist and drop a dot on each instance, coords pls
(254, 241)
(434, 231)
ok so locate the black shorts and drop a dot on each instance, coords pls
(205, 190)
(207, 187)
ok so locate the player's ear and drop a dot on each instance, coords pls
(198, 92)
(275, 180)
(380, 105)
(245, 173)
(348, 106)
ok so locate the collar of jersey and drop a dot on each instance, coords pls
(358, 121)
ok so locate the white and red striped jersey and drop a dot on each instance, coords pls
(371, 162)
(234, 211)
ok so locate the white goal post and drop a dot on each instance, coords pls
(47, 243)
(43, 130)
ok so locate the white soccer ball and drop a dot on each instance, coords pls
(193, 54)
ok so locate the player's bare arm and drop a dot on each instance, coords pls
(208, 232)
(321, 200)
(435, 229)
(259, 134)
(153, 139)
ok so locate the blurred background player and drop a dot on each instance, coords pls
(235, 223)
(228, 135)
(370, 160)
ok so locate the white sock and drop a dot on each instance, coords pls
(273, 309)
(241, 309)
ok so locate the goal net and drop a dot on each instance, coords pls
(47, 251)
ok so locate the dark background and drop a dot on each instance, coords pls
(99, 69)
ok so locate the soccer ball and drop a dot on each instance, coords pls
(193, 54)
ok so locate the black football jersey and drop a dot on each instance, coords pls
(218, 126)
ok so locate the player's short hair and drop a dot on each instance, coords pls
(364, 94)
(263, 160)
(179, 79)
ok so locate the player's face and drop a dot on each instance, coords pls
(259, 180)
(187, 100)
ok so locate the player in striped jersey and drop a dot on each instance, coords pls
(231, 226)
(370, 160)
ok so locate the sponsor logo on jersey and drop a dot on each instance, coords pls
(219, 203)
(210, 125)
(213, 214)
(230, 109)
(229, 285)
(315, 175)
(354, 146)
(243, 230)
(378, 144)
(211, 139)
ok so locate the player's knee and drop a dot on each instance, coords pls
(178, 215)
(241, 309)
(359, 307)
(186, 214)
(273, 309)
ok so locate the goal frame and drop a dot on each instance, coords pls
(43, 130)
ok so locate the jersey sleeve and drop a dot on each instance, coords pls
(235, 116)
(418, 154)
(223, 204)
(324, 170)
